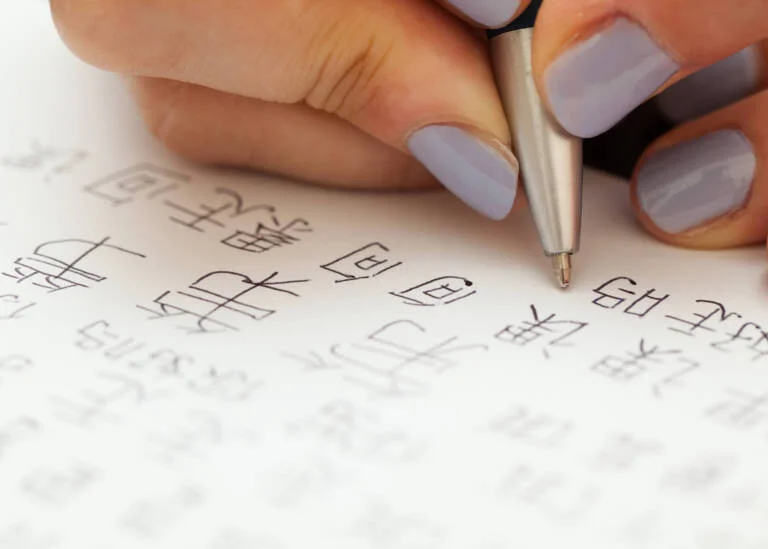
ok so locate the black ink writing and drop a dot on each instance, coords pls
(438, 291)
(367, 262)
(219, 301)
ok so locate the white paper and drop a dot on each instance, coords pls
(380, 382)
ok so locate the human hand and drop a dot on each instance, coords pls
(345, 93)
(702, 185)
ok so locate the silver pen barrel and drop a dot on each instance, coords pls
(550, 158)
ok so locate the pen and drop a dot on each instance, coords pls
(550, 158)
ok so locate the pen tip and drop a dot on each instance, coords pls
(562, 264)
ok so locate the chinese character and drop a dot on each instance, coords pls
(58, 264)
(150, 518)
(551, 492)
(395, 361)
(552, 331)
(206, 214)
(43, 157)
(752, 337)
(367, 262)
(533, 428)
(100, 404)
(59, 487)
(96, 336)
(382, 527)
(144, 181)
(688, 366)
(614, 293)
(741, 410)
(219, 299)
(621, 452)
(11, 307)
(164, 362)
(356, 431)
(438, 291)
(699, 476)
(14, 363)
(634, 364)
(312, 361)
(295, 482)
(266, 238)
(227, 386)
(718, 313)
(190, 438)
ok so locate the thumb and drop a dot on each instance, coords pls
(405, 71)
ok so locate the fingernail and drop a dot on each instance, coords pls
(597, 82)
(482, 174)
(489, 13)
(713, 88)
(685, 186)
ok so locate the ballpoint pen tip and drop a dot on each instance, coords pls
(562, 264)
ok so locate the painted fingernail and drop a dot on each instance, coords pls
(482, 174)
(598, 81)
(489, 13)
(714, 87)
(685, 186)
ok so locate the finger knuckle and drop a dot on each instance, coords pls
(162, 104)
(349, 71)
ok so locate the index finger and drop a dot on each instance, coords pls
(486, 13)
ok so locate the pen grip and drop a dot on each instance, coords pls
(524, 21)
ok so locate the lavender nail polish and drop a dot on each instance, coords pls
(489, 13)
(479, 174)
(697, 181)
(597, 82)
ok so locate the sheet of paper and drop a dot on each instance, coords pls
(220, 360)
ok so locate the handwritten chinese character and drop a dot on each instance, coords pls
(142, 182)
(715, 313)
(229, 205)
(750, 337)
(153, 516)
(618, 291)
(12, 306)
(45, 158)
(549, 332)
(368, 262)
(741, 410)
(266, 238)
(98, 337)
(218, 300)
(59, 486)
(397, 360)
(14, 364)
(635, 363)
(382, 526)
(533, 428)
(101, 403)
(700, 475)
(356, 431)
(438, 291)
(552, 493)
(60, 264)
(621, 452)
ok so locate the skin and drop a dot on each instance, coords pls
(328, 91)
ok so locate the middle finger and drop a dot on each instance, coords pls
(596, 60)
